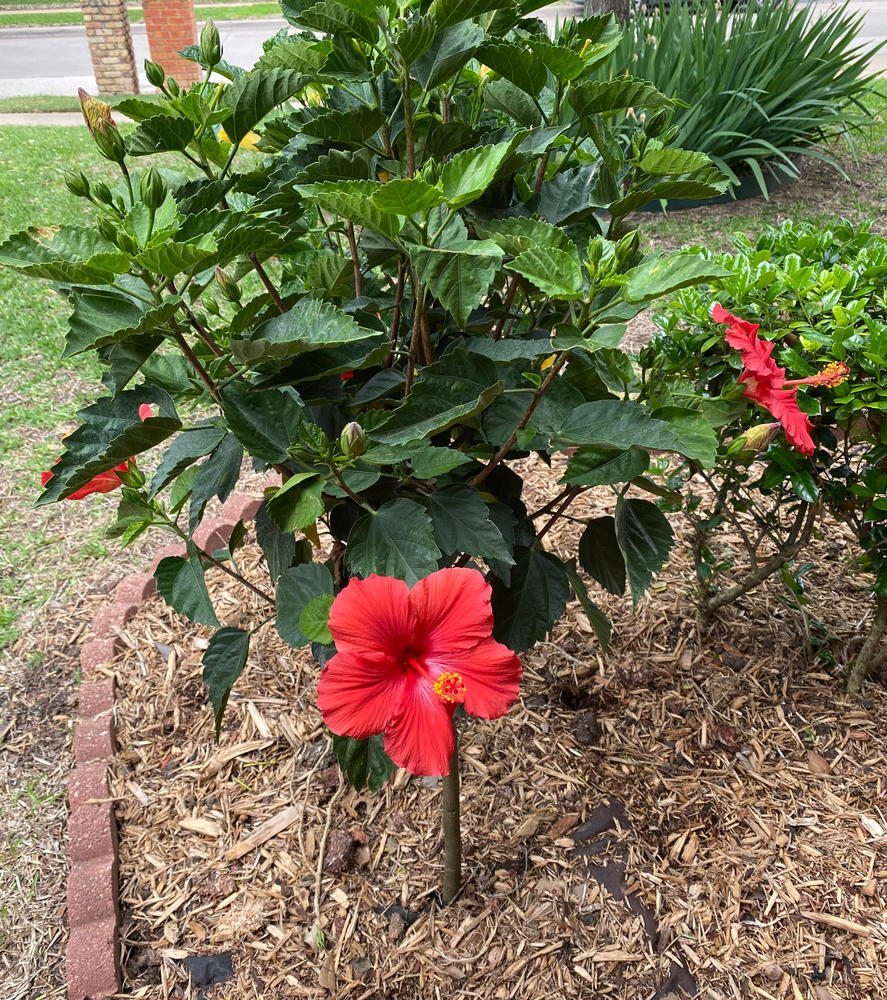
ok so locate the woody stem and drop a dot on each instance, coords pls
(452, 829)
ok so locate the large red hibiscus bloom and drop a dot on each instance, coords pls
(405, 658)
(765, 381)
(104, 482)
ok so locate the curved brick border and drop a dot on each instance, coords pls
(93, 954)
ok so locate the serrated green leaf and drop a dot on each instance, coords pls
(605, 466)
(432, 462)
(564, 63)
(645, 539)
(448, 53)
(354, 126)
(406, 196)
(64, 253)
(673, 161)
(363, 762)
(296, 54)
(223, 662)
(448, 12)
(697, 437)
(352, 201)
(459, 275)
(332, 18)
(467, 175)
(461, 520)
(216, 477)
(416, 38)
(452, 389)
(251, 97)
(516, 64)
(569, 196)
(161, 134)
(525, 610)
(296, 588)
(170, 259)
(314, 617)
(298, 502)
(193, 443)
(503, 96)
(398, 540)
(180, 582)
(662, 274)
(600, 555)
(555, 273)
(266, 423)
(600, 97)
(616, 423)
(278, 547)
(516, 235)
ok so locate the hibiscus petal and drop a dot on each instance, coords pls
(756, 353)
(420, 738)
(720, 315)
(453, 612)
(358, 695)
(373, 616)
(491, 673)
(783, 404)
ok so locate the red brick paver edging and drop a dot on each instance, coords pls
(92, 958)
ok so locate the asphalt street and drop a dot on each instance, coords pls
(56, 60)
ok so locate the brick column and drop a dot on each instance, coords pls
(110, 45)
(171, 27)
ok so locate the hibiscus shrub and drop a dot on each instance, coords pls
(819, 297)
(400, 259)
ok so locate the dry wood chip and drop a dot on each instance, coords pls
(267, 830)
(205, 827)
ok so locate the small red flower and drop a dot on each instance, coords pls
(765, 381)
(104, 482)
(405, 658)
(347, 375)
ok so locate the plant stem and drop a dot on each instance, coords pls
(197, 366)
(409, 134)
(395, 316)
(266, 281)
(355, 260)
(452, 829)
(864, 661)
(558, 363)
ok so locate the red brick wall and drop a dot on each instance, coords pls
(171, 27)
(110, 45)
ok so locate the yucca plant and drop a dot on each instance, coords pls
(763, 86)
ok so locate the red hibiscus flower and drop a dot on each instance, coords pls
(405, 658)
(104, 482)
(765, 381)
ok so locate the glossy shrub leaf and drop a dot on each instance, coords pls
(416, 38)
(673, 161)
(460, 274)
(406, 196)
(804, 486)
(448, 53)
(590, 466)
(251, 97)
(351, 127)
(603, 97)
(461, 521)
(216, 477)
(160, 134)
(600, 555)
(467, 175)
(448, 12)
(601, 624)
(398, 540)
(338, 19)
(296, 588)
(458, 386)
(616, 423)
(314, 617)
(102, 318)
(659, 275)
(193, 443)
(565, 65)
(516, 64)
(645, 540)
(352, 201)
(525, 610)
(514, 236)
(296, 54)
(265, 422)
(110, 433)
(555, 273)
(223, 662)
(180, 582)
(363, 762)
(278, 547)
(64, 253)
(298, 503)
(696, 437)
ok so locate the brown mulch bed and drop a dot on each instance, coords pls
(681, 807)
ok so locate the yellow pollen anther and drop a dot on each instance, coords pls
(833, 374)
(450, 687)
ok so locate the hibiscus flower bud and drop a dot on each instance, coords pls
(655, 124)
(76, 183)
(352, 440)
(153, 188)
(155, 74)
(97, 115)
(210, 44)
(756, 439)
(227, 285)
(627, 247)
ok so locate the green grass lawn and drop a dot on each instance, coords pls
(232, 12)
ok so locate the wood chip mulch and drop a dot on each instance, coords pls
(683, 813)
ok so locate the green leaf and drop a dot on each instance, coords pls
(296, 54)
(406, 196)
(353, 126)
(804, 486)
(599, 97)
(605, 466)
(569, 195)
(170, 259)
(452, 389)
(223, 663)
(459, 274)
(314, 617)
(525, 610)
(504, 97)
(448, 12)
(696, 435)
(448, 53)
(645, 540)
(64, 253)
(516, 64)
(332, 18)
(659, 275)
(514, 236)
(103, 318)
(416, 38)
(125, 359)
(278, 547)
(251, 97)
(600, 555)
(467, 175)
(555, 273)
(180, 582)
(110, 432)
(616, 423)
(310, 325)
(216, 477)
(564, 63)
(296, 588)
(673, 161)
(193, 443)
(363, 762)
(266, 423)
(298, 502)
(597, 619)
(352, 201)
(398, 540)
(461, 520)
(432, 462)
(161, 134)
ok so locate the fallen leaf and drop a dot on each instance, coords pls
(817, 763)
(560, 827)
(529, 826)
